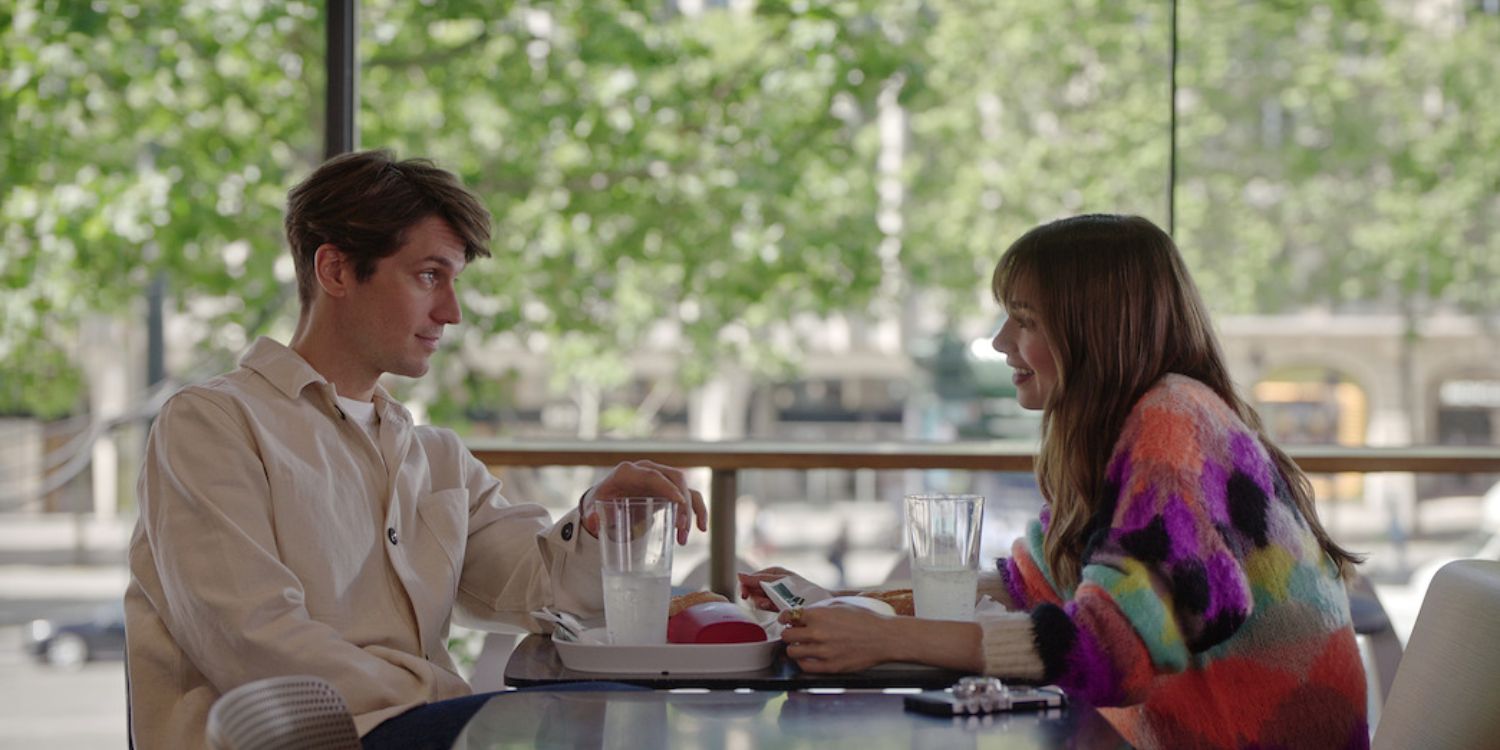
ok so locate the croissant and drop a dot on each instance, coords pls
(899, 599)
(680, 603)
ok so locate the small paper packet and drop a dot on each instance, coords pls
(793, 592)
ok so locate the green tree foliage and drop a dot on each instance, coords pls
(711, 174)
(1030, 114)
(1341, 155)
(146, 138)
(717, 174)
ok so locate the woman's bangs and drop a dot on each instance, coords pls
(1009, 275)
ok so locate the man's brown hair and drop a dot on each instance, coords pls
(364, 202)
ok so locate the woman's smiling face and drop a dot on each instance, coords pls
(1023, 341)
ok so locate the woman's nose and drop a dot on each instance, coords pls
(1002, 339)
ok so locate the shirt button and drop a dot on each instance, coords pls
(391, 535)
(567, 532)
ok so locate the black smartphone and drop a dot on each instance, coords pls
(944, 703)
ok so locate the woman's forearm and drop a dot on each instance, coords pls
(940, 643)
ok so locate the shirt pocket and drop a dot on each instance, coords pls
(445, 518)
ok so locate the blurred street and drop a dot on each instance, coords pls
(50, 567)
(42, 707)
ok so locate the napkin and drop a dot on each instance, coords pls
(565, 625)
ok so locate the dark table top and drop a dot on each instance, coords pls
(755, 719)
(535, 662)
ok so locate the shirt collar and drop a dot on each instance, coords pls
(282, 367)
(289, 373)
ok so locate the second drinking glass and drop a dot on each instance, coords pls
(944, 533)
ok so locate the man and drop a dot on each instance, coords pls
(293, 518)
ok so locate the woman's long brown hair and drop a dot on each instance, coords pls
(1120, 311)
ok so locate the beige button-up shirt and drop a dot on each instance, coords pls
(277, 537)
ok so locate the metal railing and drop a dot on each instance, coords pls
(725, 460)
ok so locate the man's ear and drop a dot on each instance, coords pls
(334, 270)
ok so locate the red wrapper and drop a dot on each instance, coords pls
(713, 622)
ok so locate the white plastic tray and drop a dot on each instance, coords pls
(673, 658)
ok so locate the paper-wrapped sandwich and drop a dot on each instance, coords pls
(706, 617)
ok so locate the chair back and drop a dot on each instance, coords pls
(1445, 695)
(1380, 649)
(282, 713)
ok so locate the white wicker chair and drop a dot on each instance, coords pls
(1444, 696)
(298, 712)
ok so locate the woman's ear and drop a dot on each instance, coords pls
(333, 269)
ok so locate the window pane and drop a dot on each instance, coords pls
(1337, 200)
(796, 205)
(147, 139)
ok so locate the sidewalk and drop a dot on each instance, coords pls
(59, 567)
(63, 539)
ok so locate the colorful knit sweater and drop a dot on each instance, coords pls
(1206, 615)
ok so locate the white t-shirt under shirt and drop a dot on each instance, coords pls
(362, 412)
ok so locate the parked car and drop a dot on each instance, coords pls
(68, 644)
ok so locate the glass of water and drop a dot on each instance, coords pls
(635, 540)
(944, 533)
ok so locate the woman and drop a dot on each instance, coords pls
(1178, 577)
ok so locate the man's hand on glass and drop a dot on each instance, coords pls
(646, 479)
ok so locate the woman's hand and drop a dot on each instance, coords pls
(750, 586)
(840, 638)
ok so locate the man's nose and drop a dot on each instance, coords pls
(449, 311)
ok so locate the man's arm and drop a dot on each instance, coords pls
(510, 569)
(514, 562)
(224, 594)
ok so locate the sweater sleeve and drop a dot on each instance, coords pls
(1163, 582)
(1025, 574)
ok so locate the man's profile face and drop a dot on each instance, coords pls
(398, 314)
